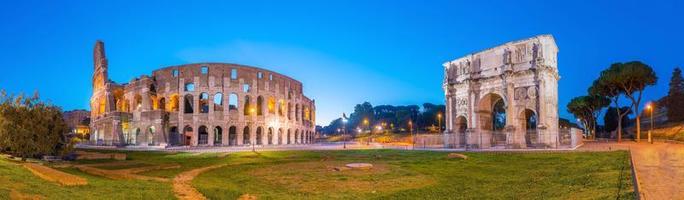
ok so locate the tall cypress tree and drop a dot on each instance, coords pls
(675, 97)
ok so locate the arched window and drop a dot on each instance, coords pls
(204, 102)
(245, 135)
(186, 139)
(232, 101)
(175, 73)
(150, 135)
(245, 87)
(247, 108)
(203, 135)
(154, 104)
(270, 136)
(260, 105)
(189, 104)
(260, 75)
(271, 105)
(162, 103)
(307, 113)
(288, 137)
(296, 112)
(218, 102)
(259, 136)
(173, 135)
(281, 108)
(138, 101)
(289, 111)
(204, 70)
(173, 103)
(189, 87)
(101, 106)
(232, 136)
(218, 135)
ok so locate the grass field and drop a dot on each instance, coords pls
(311, 175)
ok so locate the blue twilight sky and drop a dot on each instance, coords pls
(344, 52)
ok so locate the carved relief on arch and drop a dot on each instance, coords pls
(523, 93)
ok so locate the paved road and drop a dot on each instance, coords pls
(660, 169)
(659, 166)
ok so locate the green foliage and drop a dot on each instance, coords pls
(611, 116)
(587, 108)
(628, 79)
(394, 117)
(29, 127)
(675, 97)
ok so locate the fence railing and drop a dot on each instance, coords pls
(530, 139)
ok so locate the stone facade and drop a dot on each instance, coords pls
(202, 104)
(519, 80)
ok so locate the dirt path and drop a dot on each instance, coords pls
(660, 169)
(54, 175)
(182, 183)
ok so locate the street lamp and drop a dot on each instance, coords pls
(413, 137)
(365, 122)
(439, 121)
(650, 107)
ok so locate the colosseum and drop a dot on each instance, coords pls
(201, 104)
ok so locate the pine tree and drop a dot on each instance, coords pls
(675, 97)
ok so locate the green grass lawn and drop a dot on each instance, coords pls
(397, 175)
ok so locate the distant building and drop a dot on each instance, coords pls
(201, 104)
(78, 122)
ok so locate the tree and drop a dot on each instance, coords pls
(675, 97)
(629, 79)
(611, 118)
(587, 109)
(634, 77)
(29, 127)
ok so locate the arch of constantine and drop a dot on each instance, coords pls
(506, 96)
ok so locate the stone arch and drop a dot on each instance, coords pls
(218, 102)
(134, 139)
(296, 112)
(461, 124)
(174, 136)
(247, 109)
(296, 137)
(260, 106)
(172, 105)
(189, 104)
(204, 102)
(246, 135)
(218, 135)
(528, 126)
(280, 136)
(202, 135)
(270, 135)
(259, 136)
(188, 134)
(288, 137)
(138, 101)
(151, 131)
(232, 136)
(162, 104)
(489, 108)
(233, 101)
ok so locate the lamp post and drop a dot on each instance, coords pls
(650, 108)
(365, 122)
(413, 137)
(439, 121)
